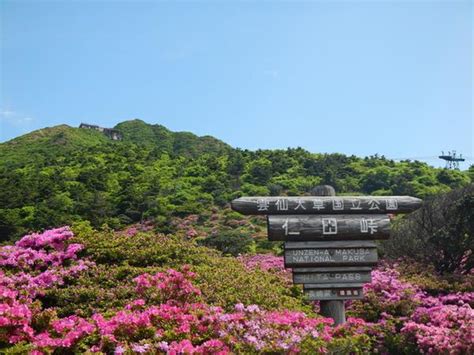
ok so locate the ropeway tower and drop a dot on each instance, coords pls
(452, 159)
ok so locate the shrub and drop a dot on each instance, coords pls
(387, 294)
(441, 233)
(119, 259)
(120, 308)
(426, 277)
(230, 242)
(445, 329)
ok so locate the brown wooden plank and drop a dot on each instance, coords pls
(327, 227)
(325, 205)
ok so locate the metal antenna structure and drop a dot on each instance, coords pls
(452, 159)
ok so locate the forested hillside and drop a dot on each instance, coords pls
(173, 283)
(60, 175)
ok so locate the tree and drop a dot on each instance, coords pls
(230, 242)
(440, 233)
(260, 171)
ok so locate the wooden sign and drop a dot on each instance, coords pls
(327, 227)
(327, 275)
(326, 205)
(328, 239)
(346, 293)
(336, 253)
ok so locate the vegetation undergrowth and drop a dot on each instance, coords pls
(142, 292)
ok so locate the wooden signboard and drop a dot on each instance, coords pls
(327, 227)
(327, 275)
(326, 205)
(337, 253)
(334, 294)
(329, 239)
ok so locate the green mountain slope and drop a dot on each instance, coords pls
(174, 143)
(61, 175)
(44, 144)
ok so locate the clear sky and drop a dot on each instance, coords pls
(355, 77)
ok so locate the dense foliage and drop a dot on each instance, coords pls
(231, 242)
(170, 282)
(62, 175)
(57, 295)
(440, 233)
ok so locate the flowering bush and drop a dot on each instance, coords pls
(250, 329)
(432, 282)
(172, 286)
(15, 317)
(132, 230)
(265, 262)
(442, 324)
(36, 262)
(170, 312)
(442, 329)
(388, 294)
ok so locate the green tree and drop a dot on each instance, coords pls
(440, 233)
(230, 242)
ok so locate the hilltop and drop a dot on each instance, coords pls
(50, 142)
(61, 175)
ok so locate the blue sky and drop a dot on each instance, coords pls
(355, 77)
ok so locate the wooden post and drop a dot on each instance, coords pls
(330, 309)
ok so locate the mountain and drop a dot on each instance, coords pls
(61, 175)
(174, 143)
(44, 144)
(47, 143)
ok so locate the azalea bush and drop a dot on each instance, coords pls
(66, 294)
(431, 281)
(387, 294)
(413, 320)
(120, 258)
(167, 315)
(267, 262)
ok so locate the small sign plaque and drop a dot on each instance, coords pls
(347, 293)
(332, 275)
(338, 253)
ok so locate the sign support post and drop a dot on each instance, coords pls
(331, 309)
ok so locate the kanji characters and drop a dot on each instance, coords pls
(368, 225)
(300, 205)
(281, 204)
(318, 204)
(391, 204)
(262, 204)
(329, 225)
(374, 205)
(338, 204)
(285, 226)
(356, 205)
